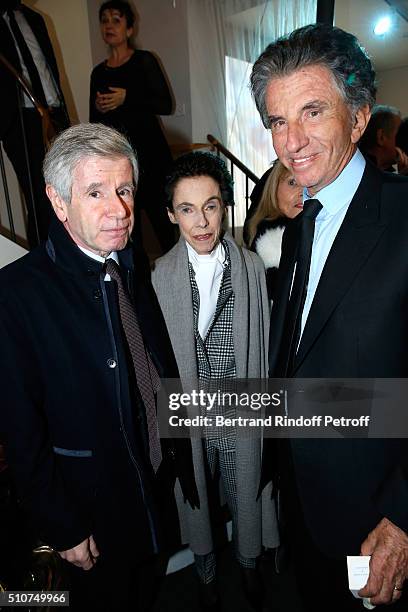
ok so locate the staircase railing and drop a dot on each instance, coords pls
(235, 165)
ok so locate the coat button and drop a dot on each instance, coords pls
(97, 294)
(111, 363)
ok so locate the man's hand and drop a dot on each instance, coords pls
(84, 555)
(388, 547)
(109, 101)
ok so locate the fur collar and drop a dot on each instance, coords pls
(268, 246)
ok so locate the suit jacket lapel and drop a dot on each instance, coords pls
(357, 237)
(280, 304)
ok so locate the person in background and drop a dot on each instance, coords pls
(401, 140)
(25, 43)
(280, 201)
(82, 346)
(127, 92)
(339, 311)
(378, 141)
(214, 300)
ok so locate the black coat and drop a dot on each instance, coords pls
(357, 327)
(9, 98)
(71, 419)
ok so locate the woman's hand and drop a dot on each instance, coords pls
(106, 102)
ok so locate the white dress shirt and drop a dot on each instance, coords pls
(335, 199)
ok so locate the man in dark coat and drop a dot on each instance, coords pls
(80, 439)
(340, 311)
(25, 44)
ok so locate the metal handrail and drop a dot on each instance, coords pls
(238, 163)
(234, 162)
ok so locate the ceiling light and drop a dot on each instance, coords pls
(382, 26)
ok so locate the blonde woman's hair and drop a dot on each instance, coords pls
(268, 204)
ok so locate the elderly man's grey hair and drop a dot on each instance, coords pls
(78, 142)
(322, 44)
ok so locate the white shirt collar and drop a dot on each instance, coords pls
(341, 191)
(216, 255)
(113, 255)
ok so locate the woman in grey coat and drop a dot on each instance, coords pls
(214, 299)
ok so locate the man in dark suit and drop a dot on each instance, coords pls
(340, 311)
(25, 44)
(82, 346)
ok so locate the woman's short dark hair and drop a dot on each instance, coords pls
(322, 44)
(200, 163)
(124, 9)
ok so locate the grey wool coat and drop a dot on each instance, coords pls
(257, 524)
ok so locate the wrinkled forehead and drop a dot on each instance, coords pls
(94, 166)
(302, 86)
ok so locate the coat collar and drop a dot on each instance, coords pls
(63, 251)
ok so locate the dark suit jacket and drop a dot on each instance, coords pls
(71, 416)
(9, 98)
(357, 327)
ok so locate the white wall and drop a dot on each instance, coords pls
(393, 88)
(164, 30)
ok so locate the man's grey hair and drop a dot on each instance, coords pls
(317, 44)
(75, 144)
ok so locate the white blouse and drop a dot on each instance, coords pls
(208, 275)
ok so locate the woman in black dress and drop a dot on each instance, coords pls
(275, 201)
(128, 91)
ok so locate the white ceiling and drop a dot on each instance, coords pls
(360, 17)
